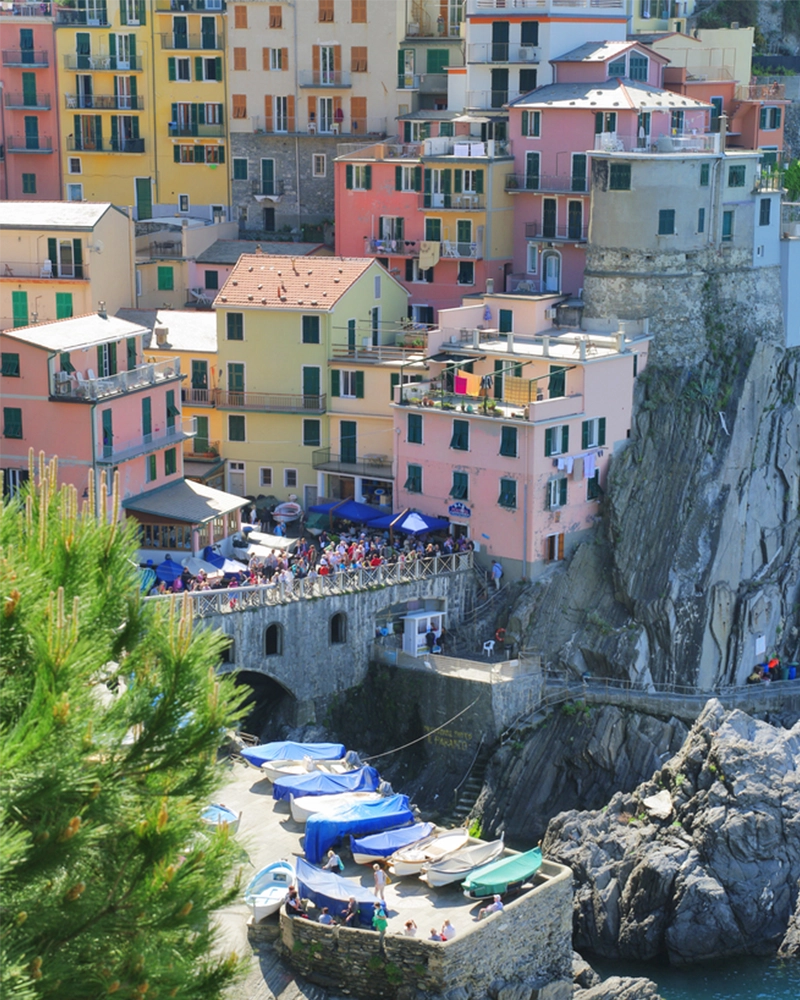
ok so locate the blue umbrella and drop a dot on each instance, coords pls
(411, 522)
(350, 510)
(213, 557)
(169, 570)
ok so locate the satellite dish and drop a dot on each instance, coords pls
(97, 246)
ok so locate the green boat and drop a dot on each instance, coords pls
(497, 876)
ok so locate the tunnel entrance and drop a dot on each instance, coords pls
(269, 705)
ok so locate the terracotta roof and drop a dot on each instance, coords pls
(307, 283)
(607, 95)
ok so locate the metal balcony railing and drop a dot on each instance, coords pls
(202, 449)
(29, 144)
(761, 92)
(396, 248)
(323, 78)
(172, 40)
(503, 52)
(190, 6)
(274, 187)
(102, 62)
(166, 248)
(197, 131)
(21, 102)
(483, 100)
(112, 453)
(89, 18)
(78, 144)
(576, 232)
(679, 142)
(197, 396)
(25, 57)
(461, 250)
(17, 9)
(76, 385)
(467, 202)
(270, 402)
(104, 102)
(408, 81)
(356, 465)
(475, 6)
(566, 183)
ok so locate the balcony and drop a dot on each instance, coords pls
(27, 102)
(196, 131)
(558, 183)
(407, 81)
(377, 354)
(17, 9)
(172, 41)
(202, 450)
(113, 454)
(680, 142)
(29, 144)
(272, 189)
(479, 6)
(26, 58)
(391, 248)
(107, 63)
(166, 248)
(487, 100)
(31, 269)
(197, 397)
(433, 83)
(75, 386)
(104, 102)
(468, 202)
(503, 52)
(768, 180)
(96, 18)
(576, 233)
(370, 466)
(323, 78)
(428, 27)
(454, 249)
(189, 6)
(104, 145)
(268, 402)
(761, 92)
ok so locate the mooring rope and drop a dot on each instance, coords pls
(420, 738)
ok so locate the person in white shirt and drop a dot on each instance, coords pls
(325, 917)
(379, 876)
(448, 931)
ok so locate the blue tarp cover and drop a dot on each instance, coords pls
(411, 523)
(364, 779)
(324, 829)
(351, 510)
(381, 845)
(326, 889)
(286, 750)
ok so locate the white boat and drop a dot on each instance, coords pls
(409, 860)
(218, 815)
(306, 805)
(269, 889)
(275, 769)
(459, 864)
(286, 512)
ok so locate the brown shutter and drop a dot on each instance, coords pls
(358, 12)
(358, 114)
(275, 17)
(312, 110)
(325, 10)
(240, 16)
(561, 546)
(239, 57)
(443, 13)
(337, 60)
(265, 59)
(290, 125)
(338, 115)
(315, 62)
(358, 59)
(284, 59)
(240, 105)
(268, 112)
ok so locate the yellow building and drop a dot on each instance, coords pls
(192, 336)
(104, 57)
(280, 322)
(191, 110)
(60, 260)
(658, 15)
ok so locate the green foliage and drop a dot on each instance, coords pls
(791, 181)
(394, 974)
(476, 828)
(375, 963)
(110, 718)
(722, 13)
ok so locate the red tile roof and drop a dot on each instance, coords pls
(310, 283)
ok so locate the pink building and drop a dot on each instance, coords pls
(30, 168)
(431, 207)
(512, 435)
(81, 390)
(607, 96)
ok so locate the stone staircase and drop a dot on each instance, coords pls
(467, 793)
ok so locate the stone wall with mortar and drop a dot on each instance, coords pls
(529, 943)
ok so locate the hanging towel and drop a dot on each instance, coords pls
(569, 462)
(562, 464)
(578, 470)
(589, 464)
(460, 385)
(516, 390)
(429, 251)
(473, 384)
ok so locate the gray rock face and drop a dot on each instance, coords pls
(721, 877)
(621, 988)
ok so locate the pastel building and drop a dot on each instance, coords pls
(430, 48)
(512, 434)
(280, 321)
(29, 135)
(210, 269)
(658, 15)
(607, 95)
(431, 206)
(61, 259)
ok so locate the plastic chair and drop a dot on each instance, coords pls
(488, 647)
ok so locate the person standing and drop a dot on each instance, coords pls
(497, 574)
(379, 921)
(379, 876)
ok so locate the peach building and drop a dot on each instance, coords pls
(512, 434)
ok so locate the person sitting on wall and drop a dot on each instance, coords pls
(325, 917)
(494, 907)
(756, 676)
(350, 913)
(294, 905)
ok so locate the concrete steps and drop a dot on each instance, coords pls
(468, 793)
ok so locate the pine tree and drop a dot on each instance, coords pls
(111, 716)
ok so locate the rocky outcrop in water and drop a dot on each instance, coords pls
(719, 875)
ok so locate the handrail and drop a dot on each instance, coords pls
(469, 770)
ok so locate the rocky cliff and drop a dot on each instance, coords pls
(701, 861)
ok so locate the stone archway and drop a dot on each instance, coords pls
(269, 704)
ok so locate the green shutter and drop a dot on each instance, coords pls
(19, 308)
(108, 433)
(131, 353)
(406, 131)
(112, 50)
(218, 68)
(762, 118)
(199, 154)
(457, 181)
(100, 366)
(141, 8)
(114, 132)
(335, 382)
(598, 122)
(368, 178)
(112, 358)
(98, 131)
(478, 182)
(398, 178)
(123, 12)
(348, 176)
(147, 417)
(565, 439)
(585, 434)
(359, 385)
(427, 195)
(548, 442)
(171, 69)
(778, 114)
(447, 187)
(176, 153)
(417, 178)
(601, 431)
(63, 305)
(52, 253)
(394, 381)
(221, 154)
(132, 46)
(198, 68)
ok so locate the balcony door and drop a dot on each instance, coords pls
(500, 41)
(144, 198)
(123, 92)
(180, 33)
(325, 112)
(549, 208)
(29, 89)
(31, 132)
(235, 384)
(575, 220)
(96, 12)
(124, 52)
(85, 91)
(347, 442)
(83, 49)
(552, 272)
(499, 93)
(311, 383)
(208, 32)
(201, 442)
(326, 65)
(26, 44)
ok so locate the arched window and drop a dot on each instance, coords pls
(339, 628)
(273, 640)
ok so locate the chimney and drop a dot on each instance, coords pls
(101, 310)
(545, 347)
(161, 332)
(476, 339)
(582, 348)
(510, 343)
(490, 286)
(723, 132)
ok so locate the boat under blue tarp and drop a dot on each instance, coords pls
(381, 845)
(411, 522)
(287, 750)
(324, 888)
(348, 510)
(324, 829)
(363, 779)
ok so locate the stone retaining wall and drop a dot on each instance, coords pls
(531, 942)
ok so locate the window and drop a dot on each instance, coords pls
(727, 226)
(533, 258)
(508, 442)
(638, 66)
(460, 488)
(12, 422)
(413, 481)
(529, 33)
(677, 122)
(413, 273)
(736, 175)
(276, 59)
(273, 639)
(325, 10)
(508, 493)
(183, 71)
(532, 124)
(460, 439)
(593, 433)
(311, 433)
(265, 476)
(183, 203)
(764, 209)
(239, 109)
(527, 80)
(666, 222)
(63, 305)
(211, 280)
(235, 326)
(619, 177)
(377, 287)
(705, 171)
(408, 178)
(769, 118)
(605, 121)
(166, 279)
(532, 171)
(290, 478)
(556, 440)
(10, 365)
(240, 58)
(557, 383)
(240, 170)
(358, 59)
(593, 486)
(556, 493)
(151, 471)
(413, 432)
(617, 67)
(505, 320)
(208, 68)
(240, 16)
(358, 11)
(350, 384)
(310, 329)
(75, 165)
(554, 547)
(466, 272)
(319, 164)
(578, 180)
(236, 428)
(276, 17)
(170, 461)
(701, 220)
(74, 192)
(433, 230)
(358, 176)
(338, 629)
(29, 183)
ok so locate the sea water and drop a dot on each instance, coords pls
(726, 979)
